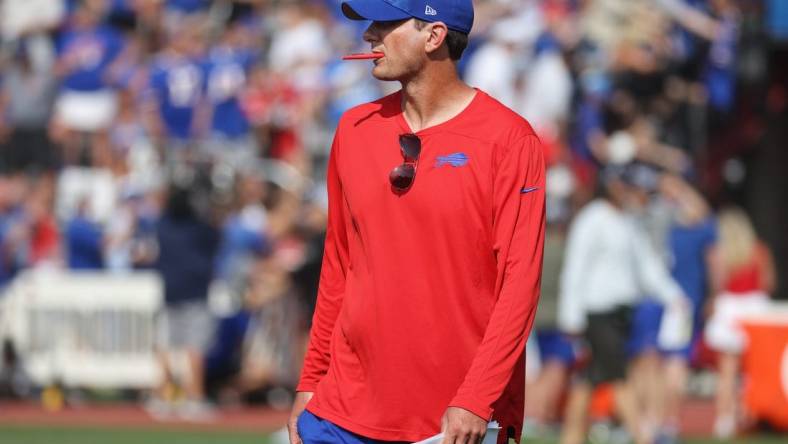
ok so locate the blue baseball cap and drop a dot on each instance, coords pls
(635, 174)
(456, 14)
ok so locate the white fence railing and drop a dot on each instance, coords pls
(85, 329)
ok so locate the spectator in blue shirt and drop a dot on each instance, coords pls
(84, 242)
(227, 71)
(228, 65)
(187, 6)
(721, 29)
(187, 246)
(691, 237)
(13, 231)
(86, 103)
(177, 12)
(175, 88)
(244, 231)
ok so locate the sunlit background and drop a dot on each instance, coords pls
(163, 205)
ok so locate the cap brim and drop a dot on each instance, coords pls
(375, 10)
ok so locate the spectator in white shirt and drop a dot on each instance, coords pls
(609, 265)
(495, 68)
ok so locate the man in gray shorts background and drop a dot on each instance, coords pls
(187, 247)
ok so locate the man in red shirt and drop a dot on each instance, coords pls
(433, 253)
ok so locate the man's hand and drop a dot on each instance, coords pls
(462, 427)
(301, 399)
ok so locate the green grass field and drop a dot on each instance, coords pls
(69, 435)
(747, 440)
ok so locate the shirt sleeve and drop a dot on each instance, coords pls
(154, 88)
(331, 288)
(579, 248)
(518, 245)
(115, 45)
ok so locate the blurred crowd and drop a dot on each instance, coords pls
(191, 137)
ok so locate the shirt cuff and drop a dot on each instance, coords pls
(473, 405)
(305, 386)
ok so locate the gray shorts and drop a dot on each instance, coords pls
(189, 325)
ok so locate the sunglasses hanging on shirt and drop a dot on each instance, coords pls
(402, 176)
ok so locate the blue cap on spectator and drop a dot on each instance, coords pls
(456, 14)
(634, 174)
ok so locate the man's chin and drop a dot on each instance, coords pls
(383, 76)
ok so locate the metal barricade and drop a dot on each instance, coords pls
(82, 329)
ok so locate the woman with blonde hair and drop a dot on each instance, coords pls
(743, 276)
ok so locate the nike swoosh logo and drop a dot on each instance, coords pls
(528, 190)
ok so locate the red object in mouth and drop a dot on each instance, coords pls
(363, 56)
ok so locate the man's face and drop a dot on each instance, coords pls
(403, 45)
(636, 199)
(628, 197)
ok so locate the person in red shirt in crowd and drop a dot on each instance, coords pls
(743, 276)
(273, 106)
(433, 253)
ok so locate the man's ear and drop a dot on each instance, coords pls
(437, 35)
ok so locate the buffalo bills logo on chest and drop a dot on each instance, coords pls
(455, 160)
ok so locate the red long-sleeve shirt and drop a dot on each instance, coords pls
(426, 299)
